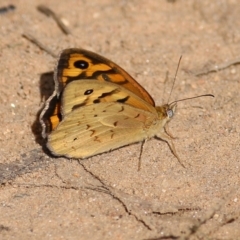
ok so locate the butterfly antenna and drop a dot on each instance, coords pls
(184, 99)
(175, 77)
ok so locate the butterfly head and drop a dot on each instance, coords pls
(170, 109)
(166, 111)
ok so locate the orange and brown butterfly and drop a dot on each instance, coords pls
(97, 107)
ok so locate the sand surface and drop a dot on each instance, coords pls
(105, 196)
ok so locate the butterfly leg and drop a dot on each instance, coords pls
(140, 155)
(166, 128)
(165, 136)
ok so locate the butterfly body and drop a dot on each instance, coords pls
(97, 107)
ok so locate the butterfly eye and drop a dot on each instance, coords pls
(170, 113)
(81, 64)
(88, 92)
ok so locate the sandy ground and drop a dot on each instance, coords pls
(105, 197)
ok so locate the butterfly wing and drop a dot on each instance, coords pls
(79, 64)
(97, 128)
(86, 92)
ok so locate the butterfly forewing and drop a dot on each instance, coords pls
(86, 92)
(78, 64)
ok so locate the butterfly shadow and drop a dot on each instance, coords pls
(46, 87)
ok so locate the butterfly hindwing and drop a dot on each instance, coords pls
(98, 128)
(95, 119)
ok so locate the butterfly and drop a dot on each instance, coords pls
(97, 107)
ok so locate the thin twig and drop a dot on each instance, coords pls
(39, 44)
(219, 67)
(7, 9)
(47, 11)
